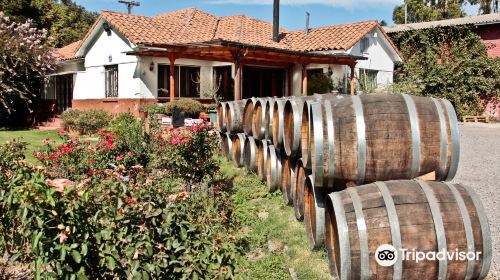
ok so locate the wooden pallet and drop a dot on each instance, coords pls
(476, 119)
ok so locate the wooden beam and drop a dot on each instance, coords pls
(304, 79)
(172, 77)
(353, 81)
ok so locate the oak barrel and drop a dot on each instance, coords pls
(250, 154)
(268, 119)
(259, 118)
(234, 116)
(262, 159)
(293, 120)
(227, 145)
(278, 120)
(248, 115)
(301, 174)
(238, 145)
(273, 168)
(406, 214)
(221, 116)
(380, 137)
(287, 178)
(314, 212)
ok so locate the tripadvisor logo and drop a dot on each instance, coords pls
(387, 255)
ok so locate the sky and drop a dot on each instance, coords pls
(292, 12)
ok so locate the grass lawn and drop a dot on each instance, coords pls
(275, 241)
(33, 137)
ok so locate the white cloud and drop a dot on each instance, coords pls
(332, 3)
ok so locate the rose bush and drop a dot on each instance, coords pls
(110, 210)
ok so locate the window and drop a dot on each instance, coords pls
(365, 44)
(111, 80)
(187, 81)
(368, 79)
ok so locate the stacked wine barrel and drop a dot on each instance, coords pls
(351, 168)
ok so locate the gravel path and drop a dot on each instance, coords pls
(479, 168)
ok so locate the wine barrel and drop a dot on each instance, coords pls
(425, 216)
(278, 120)
(238, 145)
(288, 178)
(250, 154)
(234, 116)
(259, 118)
(262, 159)
(248, 116)
(221, 116)
(227, 145)
(314, 212)
(298, 195)
(273, 168)
(377, 137)
(268, 119)
(293, 121)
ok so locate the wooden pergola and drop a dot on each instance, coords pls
(242, 54)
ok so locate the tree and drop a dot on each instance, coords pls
(427, 10)
(451, 63)
(25, 59)
(383, 23)
(65, 21)
(486, 6)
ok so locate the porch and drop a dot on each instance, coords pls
(245, 71)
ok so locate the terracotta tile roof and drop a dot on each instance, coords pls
(196, 26)
(67, 52)
(247, 30)
(336, 37)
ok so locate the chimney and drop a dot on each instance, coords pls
(307, 22)
(276, 21)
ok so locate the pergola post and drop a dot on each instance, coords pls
(172, 77)
(237, 80)
(304, 79)
(353, 81)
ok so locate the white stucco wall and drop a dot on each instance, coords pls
(379, 56)
(108, 50)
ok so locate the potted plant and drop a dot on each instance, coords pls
(212, 111)
(180, 109)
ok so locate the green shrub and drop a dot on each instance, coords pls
(91, 121)
(319, 83)
(154, 109)
(121, 123)
(93, 212)
(69, 119)
(190, 107)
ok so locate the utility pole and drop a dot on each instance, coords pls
(406, 13)
(130, 4)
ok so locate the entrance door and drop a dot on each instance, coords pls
(262, 81)
(64, 92)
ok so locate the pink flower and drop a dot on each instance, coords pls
(120, 157)
(129, 154)
(59, 184)
(137, 167)
(63, 234)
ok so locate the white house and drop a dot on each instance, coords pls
(127, 61)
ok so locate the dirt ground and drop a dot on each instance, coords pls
(479, 168)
